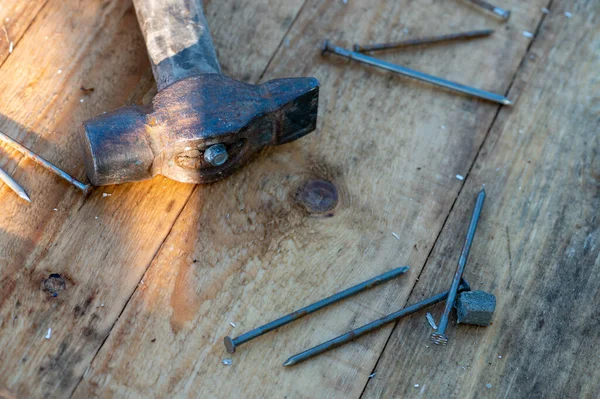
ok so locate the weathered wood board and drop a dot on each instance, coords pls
(249, 249)
(155, 272)
(538, 244)
(15, 18)
(101, 246)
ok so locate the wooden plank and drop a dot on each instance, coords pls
(538, 244)
(15, 18)
(100, 246)
(272, 238)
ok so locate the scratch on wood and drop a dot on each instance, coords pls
(6, 33)
(511, 380)
(510, 263)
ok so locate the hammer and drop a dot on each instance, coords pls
(202, 125)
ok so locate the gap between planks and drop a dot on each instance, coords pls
(132, 293)
(282, 41)
(475, 159)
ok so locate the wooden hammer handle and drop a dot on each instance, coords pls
(177, 38)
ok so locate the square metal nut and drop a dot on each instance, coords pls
(475, 307)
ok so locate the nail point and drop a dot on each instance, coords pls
(25, 196)
(325, 47)
(506, 15)
(288, 362)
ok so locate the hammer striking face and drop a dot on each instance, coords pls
(201, 125)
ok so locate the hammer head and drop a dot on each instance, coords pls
(171, 136)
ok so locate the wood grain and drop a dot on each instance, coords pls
(100, 246)
(538, 244)
(255, 246)
(15, 18)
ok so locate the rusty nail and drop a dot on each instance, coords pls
(86, 188)
(388, 66)
(423, 40)
(367, 328)
(439, 337)
(232, 343)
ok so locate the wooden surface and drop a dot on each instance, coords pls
(153, 275)
(15, 18)
(538, 244)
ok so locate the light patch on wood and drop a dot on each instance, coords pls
(184, 301)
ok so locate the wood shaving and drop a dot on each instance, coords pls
(87, 90)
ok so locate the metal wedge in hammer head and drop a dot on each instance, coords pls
(201, 125)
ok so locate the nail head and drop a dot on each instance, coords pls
(229, 344)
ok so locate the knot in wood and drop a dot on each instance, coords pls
(317, 196)
(54, 284)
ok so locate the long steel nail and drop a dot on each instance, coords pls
(10, 182)
(439, 337)
(232, 343)
(500, 12)
(328, 47)
(352, 335)
(423, 40)
(86, 188)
